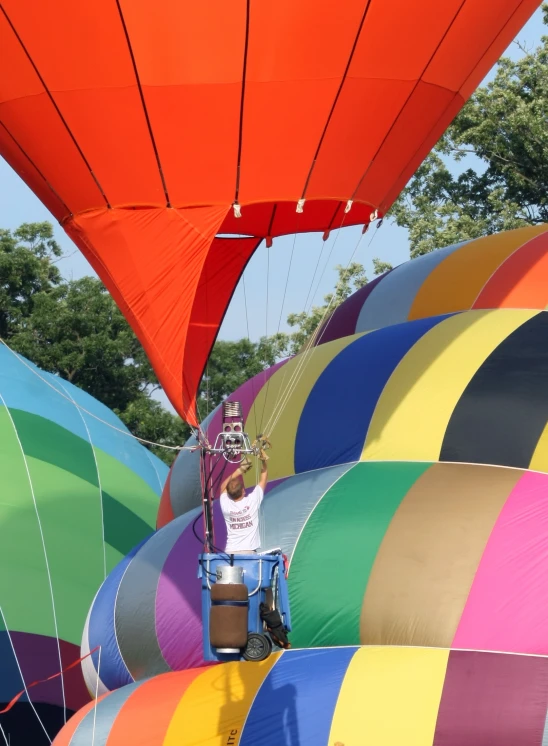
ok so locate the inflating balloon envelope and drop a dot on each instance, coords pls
(171, 138)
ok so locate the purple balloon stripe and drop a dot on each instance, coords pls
(38, 657)
(345, 317)
(178, 598)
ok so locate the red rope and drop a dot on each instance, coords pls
(49, 678)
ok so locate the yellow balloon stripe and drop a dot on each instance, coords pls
(300, 384)
(539, 462)
(390, 696)
(412, 414)
(214, 708)
(455, 284)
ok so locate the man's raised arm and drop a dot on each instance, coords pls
(263, 479)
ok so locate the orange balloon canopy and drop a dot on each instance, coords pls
(140, 124)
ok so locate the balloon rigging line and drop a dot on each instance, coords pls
(266, 322)
(280, 318)
(48, 570)
(325, 267)
(282, 396)
(31, 703)
(281, 389)
(249, 340)
(91, 414)
(324, 243)
(284, 393)
(315, 339)
(317, 335)
(98, 483)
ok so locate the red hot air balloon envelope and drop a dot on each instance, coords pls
(140, 125)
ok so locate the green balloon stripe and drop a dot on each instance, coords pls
(123, 529)
(63, 471)
(47, 441)
(337, 548)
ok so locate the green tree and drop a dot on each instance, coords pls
(230, 364)
(26, 269)
(501, 134)
(380, 267)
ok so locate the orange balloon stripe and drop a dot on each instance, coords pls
(159, 697)
(521, 281)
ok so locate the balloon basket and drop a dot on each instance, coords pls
(233, 589)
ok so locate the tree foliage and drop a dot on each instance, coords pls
(500, 141)
(27, 269)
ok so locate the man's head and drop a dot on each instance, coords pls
(235, 489)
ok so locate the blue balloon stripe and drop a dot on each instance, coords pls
(24, 386)
(296, 698)
(113, 672)
(338, 411)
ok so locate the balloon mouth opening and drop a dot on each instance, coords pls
(270, 219)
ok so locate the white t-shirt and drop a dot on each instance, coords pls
(242, 521)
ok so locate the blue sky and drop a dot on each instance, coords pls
(18, 205)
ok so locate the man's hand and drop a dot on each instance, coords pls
(245, 466)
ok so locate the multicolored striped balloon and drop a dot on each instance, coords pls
(77, 494)
(383, 696)
(465, 387)
(381, 553)
(505, 270)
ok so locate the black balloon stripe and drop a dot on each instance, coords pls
(504, 409)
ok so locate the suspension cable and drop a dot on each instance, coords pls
(284, 376)
(266, 320)
(316, 337)
(249, 340)
(279, 320)
(309, 343)
(314, 340)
